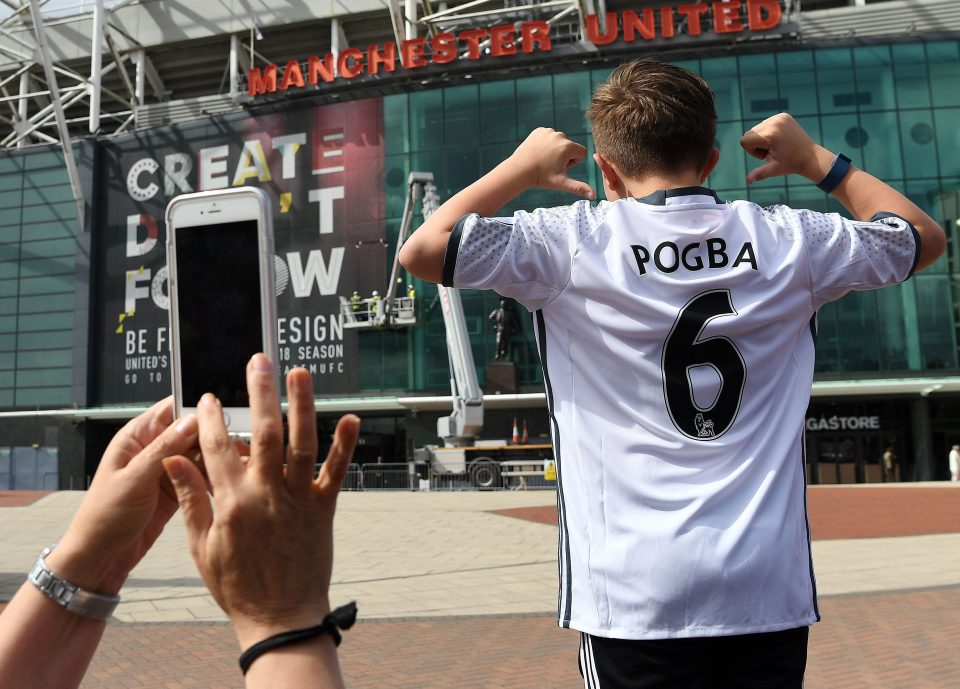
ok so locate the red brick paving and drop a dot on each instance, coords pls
(902, 640)
(878, 641)
(20, 498)
(852, 511)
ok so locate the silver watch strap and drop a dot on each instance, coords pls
(96, 606)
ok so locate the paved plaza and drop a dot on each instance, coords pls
(459, 590)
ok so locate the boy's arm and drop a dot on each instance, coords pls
(542, 160)
(787, 149)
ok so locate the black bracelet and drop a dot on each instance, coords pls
(341, 618)
(839, 169)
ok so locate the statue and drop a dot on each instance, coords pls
(506, 326)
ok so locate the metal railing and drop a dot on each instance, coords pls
(405, 476)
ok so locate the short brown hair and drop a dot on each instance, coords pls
(653, 117)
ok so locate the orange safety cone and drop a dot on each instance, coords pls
(526, 436)
(516, 433)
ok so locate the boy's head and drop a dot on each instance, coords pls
(653, 118)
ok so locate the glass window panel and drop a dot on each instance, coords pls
(10, 233)
(498, 111)
(46, 266)
(430, 161)
(928, 194)
(731, 171)
(396, 168)
(45, 195)
(721, 74)
(798, 82)
(6, 398)
(534, 104)
(837, 90)
(7, 342)
(944, 59)
(11, 200)
(50, 213)
(396, 124)
(9, 270)
(572, 93)
(49, 340)
(8, 360)
(807, 197)
(598, 76)
(50, 357)
(828, 341)
(49, 160)
(47, 229)
(769, 196)
(49, 247)
(948, 139)
(46, 303)
(8, 324)
(881, 154)
(45, 321)
(890, 328)
(8, 288)
(9, 253)
(875, 78)
(461, 118)
(56, 396)
(857, 316)
(841, 133)
(758, 87)
(919, 144)
(426, 120)
(463, 169)
(46, 285)
(936, 324)
(8, 305)
(910, 75)
(7, 379)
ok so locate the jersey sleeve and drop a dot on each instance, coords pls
(847, 255)
(527, 257)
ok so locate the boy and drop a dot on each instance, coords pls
(676, 334)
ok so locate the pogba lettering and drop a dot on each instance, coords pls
(668, 257)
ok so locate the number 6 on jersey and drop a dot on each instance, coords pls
(683, 350)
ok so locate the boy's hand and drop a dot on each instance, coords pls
(544, 158)
(787, 150)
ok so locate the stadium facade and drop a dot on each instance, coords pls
(330, 108)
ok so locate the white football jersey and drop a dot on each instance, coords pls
(676, 334)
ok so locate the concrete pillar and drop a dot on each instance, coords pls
(923, 469)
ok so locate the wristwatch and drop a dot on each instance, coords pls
(95, 606)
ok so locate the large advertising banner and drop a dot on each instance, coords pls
(322, 168)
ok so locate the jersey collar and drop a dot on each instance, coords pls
(682, 195)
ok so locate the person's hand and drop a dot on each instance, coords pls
(544, 158)
(787, 149)
(128, 504)
(266, 551)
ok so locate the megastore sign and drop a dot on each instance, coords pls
(647, 25)
(323, 168)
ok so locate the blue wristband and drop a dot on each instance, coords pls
(839, 169)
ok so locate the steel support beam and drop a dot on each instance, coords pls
(96, 65)
(234, 67)
(65, 141)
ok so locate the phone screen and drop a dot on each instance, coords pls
(218, 293)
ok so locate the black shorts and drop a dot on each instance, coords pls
(772, 660)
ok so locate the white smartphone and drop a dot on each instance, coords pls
(222, 298)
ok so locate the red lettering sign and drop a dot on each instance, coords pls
(647, 24)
